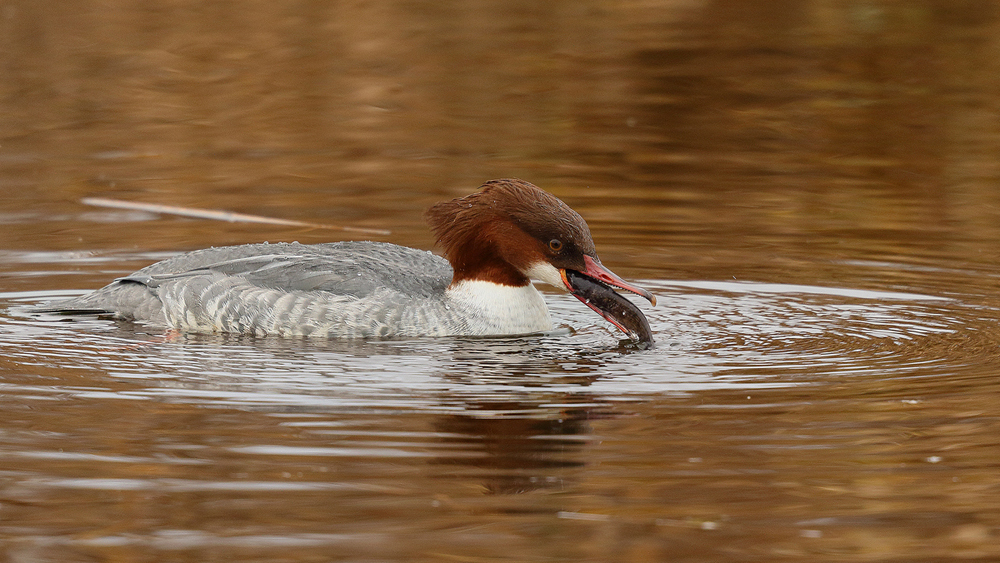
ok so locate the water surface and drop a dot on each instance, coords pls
(810, 189)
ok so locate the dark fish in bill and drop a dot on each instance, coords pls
(609, 304)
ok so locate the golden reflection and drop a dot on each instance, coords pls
(828, 144)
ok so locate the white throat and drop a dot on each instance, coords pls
(545, 272)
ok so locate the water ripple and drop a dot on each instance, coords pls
(710, 335)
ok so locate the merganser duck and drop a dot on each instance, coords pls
(495, 242)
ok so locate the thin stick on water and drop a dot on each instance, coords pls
(220, 215)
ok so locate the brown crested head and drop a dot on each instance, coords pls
(509, 225)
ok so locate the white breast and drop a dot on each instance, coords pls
(491, 309)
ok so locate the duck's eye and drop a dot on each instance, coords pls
(555, 244)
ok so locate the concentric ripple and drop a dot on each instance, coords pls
(709, 335)
(777, 330)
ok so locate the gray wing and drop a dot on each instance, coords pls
(355, 269)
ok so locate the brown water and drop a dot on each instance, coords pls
(810, 187)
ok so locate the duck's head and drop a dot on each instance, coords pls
(510, 232)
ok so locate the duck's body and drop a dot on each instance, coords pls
(495, 240)
(340, 290)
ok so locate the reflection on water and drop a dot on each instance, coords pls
(755, 391)
(808, 187)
